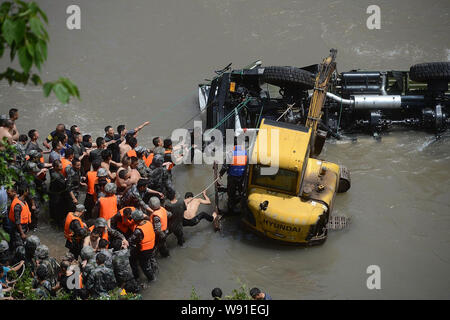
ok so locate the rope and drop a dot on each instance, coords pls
(290, 107)
(239, 107)
(209, 186)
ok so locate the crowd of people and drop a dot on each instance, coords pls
(113, 198)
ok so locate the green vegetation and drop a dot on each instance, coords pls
(240, 293)
(22, 30)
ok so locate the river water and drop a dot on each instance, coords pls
(141, 60)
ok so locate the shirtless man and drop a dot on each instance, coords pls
(191, 218)
(135, 176)
(124, 146)
(13, 116)
(107, 161)
(6, 125)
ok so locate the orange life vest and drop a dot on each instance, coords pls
(171, 163)
(25, 215)
(132, 153)
(69, 218)
(108, 207)
(91, 181)
(65, 163)
(148, 242)
(124, 224)
(162, 214)
(149, 159)
(104, 235)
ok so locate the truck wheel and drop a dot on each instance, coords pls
(425, 72)
(344, 180)
(288, 77)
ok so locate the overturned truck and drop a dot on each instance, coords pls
(357, 101)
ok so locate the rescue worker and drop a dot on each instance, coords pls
(235, 168)
(41, 284)
(135, 195)
(58, 194)
(159, 178)
(159, 219)
(103, 248)
(4, 252)
(191, 218)
(102, 181)
(101, 279)
(88, 263)
(114, 146)
(142, 243)
(143, 169)
(27, 252)
(43, 259)
(107, 206)
(75, 180)
(33, 200)
(177, 207)
(66, 161)
(75, 230)
(19, 216)
(91, 179)
(122, 221)
(107, 233)
(122, 268)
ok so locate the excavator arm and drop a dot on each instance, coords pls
(317, 101)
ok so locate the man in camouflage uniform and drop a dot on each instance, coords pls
(4, 252)
(88, 263)
(101, 279)
(142, 168)
(122, 268)
(159, 178)
(135, 197)
(43, 259)
(27, 252)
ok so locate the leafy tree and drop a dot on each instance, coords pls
(22, 31)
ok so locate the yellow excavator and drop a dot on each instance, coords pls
(294, 204)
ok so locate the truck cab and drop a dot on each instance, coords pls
(294, 204)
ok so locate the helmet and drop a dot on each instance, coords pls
(87, 253)
(80, 208)
(155, 204)
(111, 188)
(102, 172)
(4, 246)
(158, 160)
(137, 215)
(139, 149)
(33, 167)
(41, 252)
(100, 222)
(32, 242)
(34, 154)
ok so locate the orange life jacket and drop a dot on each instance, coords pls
(124, 224)
(41, 159)
(91, 181)
(104, 235)
(131, 153)
(25, 215)
(171, 164)
(69, 218)
(149, 159)
(148, 242)
(108, 207)
(162, 214)
(65, 163)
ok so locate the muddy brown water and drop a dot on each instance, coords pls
(141, 60)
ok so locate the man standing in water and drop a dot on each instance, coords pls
(191, 218)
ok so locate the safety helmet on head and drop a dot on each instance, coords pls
(87, 253)
(41, 252)
(100, 223)
(4, 246)
(80, 208)
(102, 172)
(111, 188)
(137, 215)
(155, 204)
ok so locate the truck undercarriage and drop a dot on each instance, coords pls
(357, 101)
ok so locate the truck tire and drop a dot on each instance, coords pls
(288, 77)
(425, 72)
